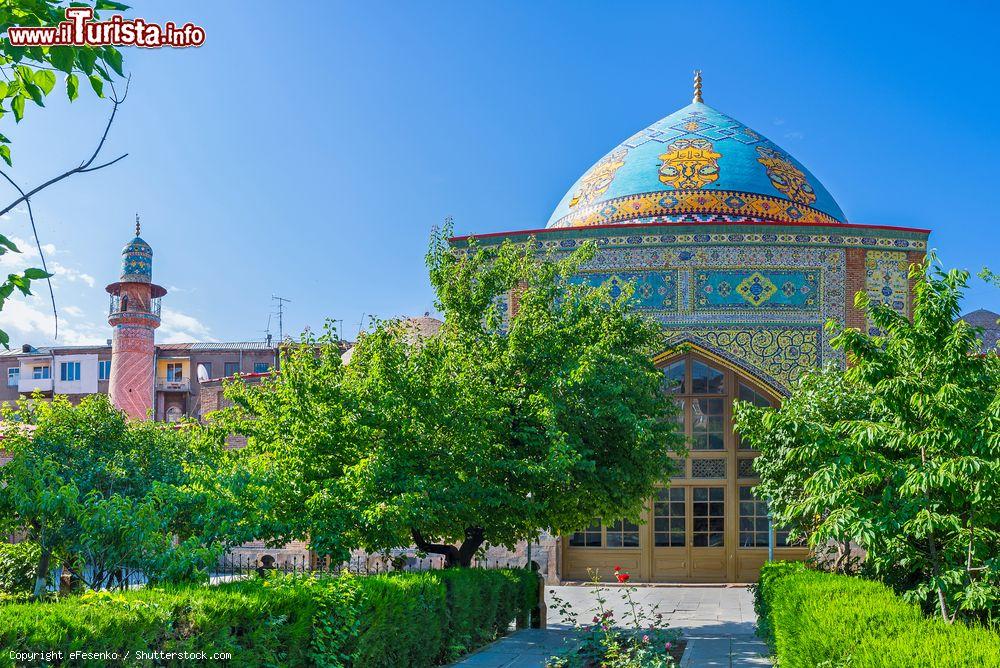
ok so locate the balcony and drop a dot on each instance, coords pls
(27, 384)
(134, 307)
(164, 385)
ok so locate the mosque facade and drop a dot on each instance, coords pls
(741, 253)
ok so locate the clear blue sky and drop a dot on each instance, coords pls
(309, 155)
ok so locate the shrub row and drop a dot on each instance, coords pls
(18, 562)
(810, 618)
(404, 619)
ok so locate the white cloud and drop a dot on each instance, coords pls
(795, 134)
(70, 274)
(31, 321)
(177, 327)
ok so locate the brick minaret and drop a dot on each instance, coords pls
(134, 315)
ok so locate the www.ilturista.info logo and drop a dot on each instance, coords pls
(79, 29)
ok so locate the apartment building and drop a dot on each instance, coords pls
(181, 372)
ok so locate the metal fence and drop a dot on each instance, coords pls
(239, 566)
(232, 566)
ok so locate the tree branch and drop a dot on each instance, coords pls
(41, 253)
(85, 166)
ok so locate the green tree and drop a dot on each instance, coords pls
(483, 432)
(106, 495)
(804, 436)
(900, 453)
(29, 75)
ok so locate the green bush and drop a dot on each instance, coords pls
(403, 619)
(810, 618)
(482, 604)
(18, 562)
(255, 625)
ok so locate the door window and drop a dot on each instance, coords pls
(669, 518)
(623, 534)
(708, 516)
(588, 537)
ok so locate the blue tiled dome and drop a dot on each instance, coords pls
(137, 261)
(697, 164)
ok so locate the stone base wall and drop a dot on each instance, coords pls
(295, 554)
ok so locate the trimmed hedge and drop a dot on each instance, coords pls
(403, 619)
(811, 618)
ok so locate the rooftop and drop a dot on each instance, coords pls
(163, 347)
(697, 164)
(988, 321)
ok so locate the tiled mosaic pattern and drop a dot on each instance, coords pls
(651, 290)
(749, 289)
(756, 296)
(777, 355)
(886, 280)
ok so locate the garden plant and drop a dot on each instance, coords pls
(637, 639)
(898, 455)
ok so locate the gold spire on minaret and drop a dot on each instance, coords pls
(697, 86)
(137, 224)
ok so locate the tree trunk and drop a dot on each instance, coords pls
(460, 555)
(42, 573)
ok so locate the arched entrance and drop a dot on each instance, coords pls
(706, 525)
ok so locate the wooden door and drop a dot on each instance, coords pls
(709, 556)
(671, 551)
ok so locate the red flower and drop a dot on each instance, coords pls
(622, 577)
(617, 568)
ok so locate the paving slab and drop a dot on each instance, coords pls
(718, 623)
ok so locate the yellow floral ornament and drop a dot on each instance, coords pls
(689, 163)
(595, 183)
(785, 176)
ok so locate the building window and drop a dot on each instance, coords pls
(261, 367)
(705, 379)
(589, 537)
(623, 534)
(41, 372)
(673, 377)
(669, 523)
(747, 393)
(175, 372)
(208, 369)
(704, 393)
(13, 376)
(232, 368)
(104, 370)
(69, 371)
(707, 425)
(753, 521)
(708, 516)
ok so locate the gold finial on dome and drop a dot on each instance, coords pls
(697, 86)
(137, 224)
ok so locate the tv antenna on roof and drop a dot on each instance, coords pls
(281, 315)
(267, 330)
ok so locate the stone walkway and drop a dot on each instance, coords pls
(718, 624)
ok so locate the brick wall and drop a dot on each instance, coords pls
(854, 282)
(913, 257)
